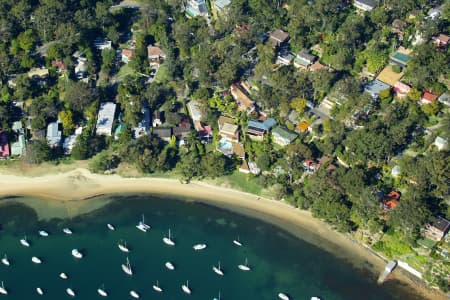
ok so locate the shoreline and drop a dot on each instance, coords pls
(79, 185)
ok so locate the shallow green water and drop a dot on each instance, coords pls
(279, 261)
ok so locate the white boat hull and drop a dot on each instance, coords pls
(70, 292)
(24, 243)
(218, 271)
(102, 293)
(36, 260)
(170, 266)
(244, 268)
(39, 291)
(63, 276)
(127, 270)
(134, 294)
(283, 296)
(111, 227)
(186, 289)
(199, 247)
(157, 288)
(168, 241)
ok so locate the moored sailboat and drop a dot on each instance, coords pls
(36, 260)
(24, 242)
(218, 270)
(39, 291)
(245, 266)
(185, 288)
(70, 292)
(142, 226)
(127, 268)
(3, 290)
(123, 247)
(102, 292)
(6, 261)
(168, 240)
(157, 288)
(134, 294)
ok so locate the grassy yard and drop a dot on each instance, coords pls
(242, 182)
(124, 71)
(392, 246)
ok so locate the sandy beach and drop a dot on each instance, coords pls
(80, 184)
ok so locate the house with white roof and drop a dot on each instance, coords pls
(54, 134)
(105, 118)
(18, 147)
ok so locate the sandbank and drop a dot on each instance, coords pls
(80, 184)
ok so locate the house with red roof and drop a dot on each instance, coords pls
(127, 55)
(4, 144)
(390, 201)
(59, 65)
(401, 89)
(155, 55)
(428, 98)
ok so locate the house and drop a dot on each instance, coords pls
(143, 127)
(243, 100)
(318, 66)
(401, 89)
(310, 166)
(164, 133)
(182, 131)
(365, 5)
(4, 145)
(396, 171)
(101, 43)
(196, 8)
(249, 168)
(282, 136)
(445, 99)
(398, 26)
(436, 229)
(440, 143)
(59, 65)
(155, 55)
(38, 73)
(105, 118)
(400, 57)
(388, 76)
(127, 54)
(238, 150)
(441, 41)
(284, 58)
(69, 141)
(81, 67)
(220, 5)
(375, 87)
(428, 98)
(18, 147)
(304, 59)
(278, 37)
(256, 129)
(227, 129)
(390, 201)
(434, 13)
(54, 134)
(158, 118)
(197, 114)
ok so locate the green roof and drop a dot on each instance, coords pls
(284, 133)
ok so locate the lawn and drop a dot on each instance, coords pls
(124, 71)
(392, 246)
(240, 181)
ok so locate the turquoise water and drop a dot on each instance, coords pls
(279, 261)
